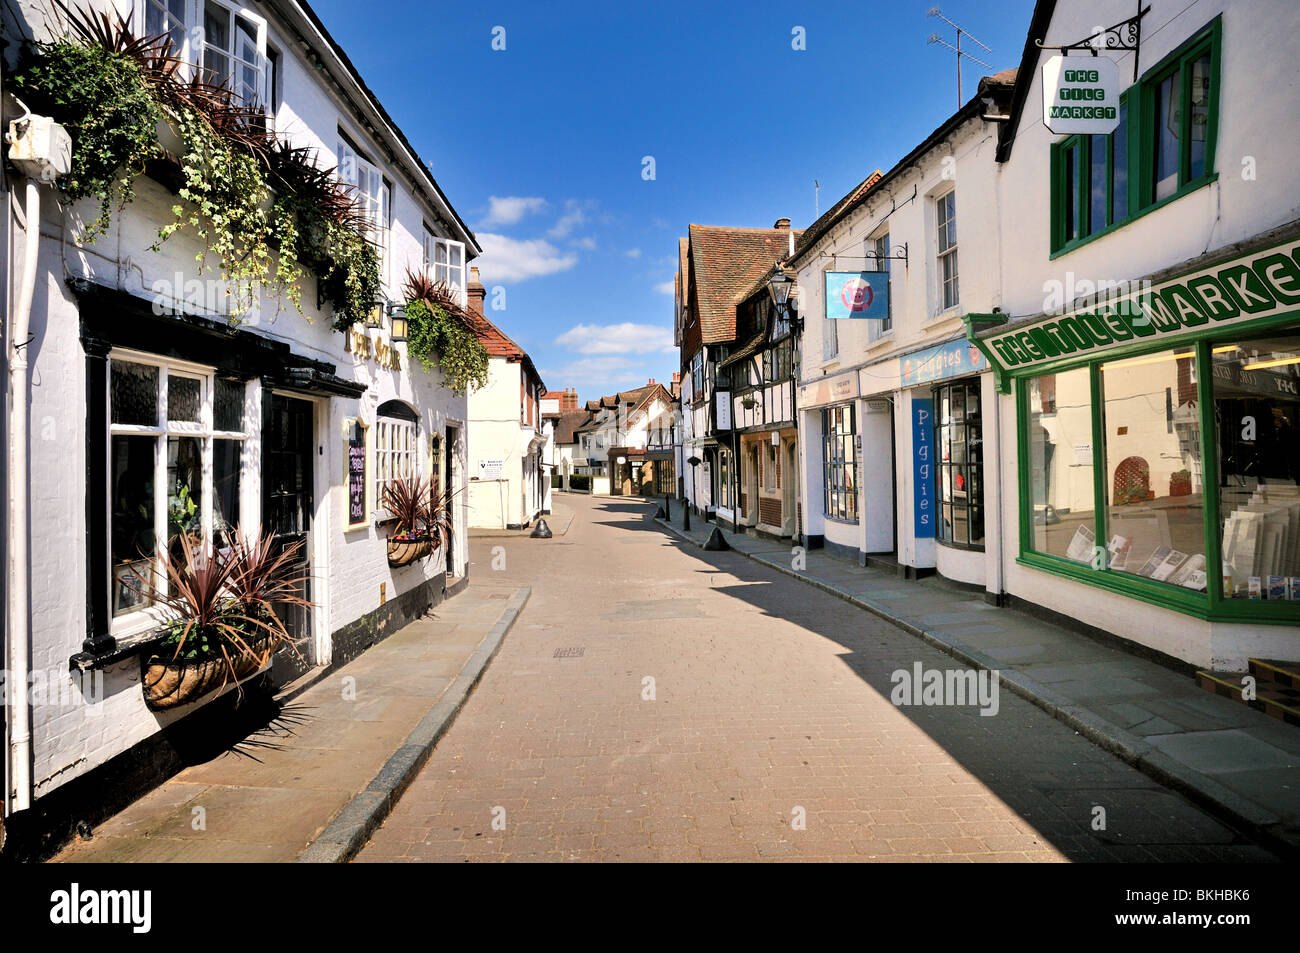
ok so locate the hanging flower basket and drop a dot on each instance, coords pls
(404, 551)
(170, 683)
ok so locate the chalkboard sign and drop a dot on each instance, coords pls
(355, 450)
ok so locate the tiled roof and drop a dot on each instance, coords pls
(727, 261)
(498, 344)
(832, 215)
(566, 423)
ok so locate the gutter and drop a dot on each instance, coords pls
(18, 659)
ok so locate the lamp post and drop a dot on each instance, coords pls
(693, 462)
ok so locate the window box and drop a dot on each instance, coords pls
(169, 683)
(402, 551)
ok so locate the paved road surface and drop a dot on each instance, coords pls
(770, 706)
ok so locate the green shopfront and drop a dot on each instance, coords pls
(1157, 439)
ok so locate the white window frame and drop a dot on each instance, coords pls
(148, 616)
(189, 36)
(397, 443)
(438, 262)
(830, 326)
(259, 61)
(371, 192)
(943, 252)
(885, 328)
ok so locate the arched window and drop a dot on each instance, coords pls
(397, 443)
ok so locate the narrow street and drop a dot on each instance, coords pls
(655, 704)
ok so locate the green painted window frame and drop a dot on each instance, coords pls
(1210, 605)
(1139, 100)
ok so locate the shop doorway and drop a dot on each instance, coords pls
(288, 504)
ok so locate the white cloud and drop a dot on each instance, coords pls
(575, 214)
(667, 287)
(603, 374)
(587, 243)
(512, 259)
(633, 253)
(510, 209)
(625, 338)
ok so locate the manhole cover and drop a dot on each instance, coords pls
(575, 652)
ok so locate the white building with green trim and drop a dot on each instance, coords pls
(1147, 352)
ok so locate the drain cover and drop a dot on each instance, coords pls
(575, 652)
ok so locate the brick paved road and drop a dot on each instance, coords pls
(770, 697)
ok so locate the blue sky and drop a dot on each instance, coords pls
(539, 146)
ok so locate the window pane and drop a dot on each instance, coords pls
(1200, 118)
(1060, 464)
(1168, 118)
(132, 518)
(134, 394)
(1098, 182)
(184, 486)
(226, 456)
(1257, 409)
(184, 399)
(1156, 509)
(228, 406)
(1119, 168)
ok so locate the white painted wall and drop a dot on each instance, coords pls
(350, 566)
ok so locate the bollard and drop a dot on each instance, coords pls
(715, 542)
(541, 530)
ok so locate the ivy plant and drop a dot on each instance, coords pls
(436, 338)
(264, 211)
(106, 104)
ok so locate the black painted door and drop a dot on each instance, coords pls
(287, 507)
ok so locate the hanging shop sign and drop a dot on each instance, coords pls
(1081, 95)
(923, 466)
(857, 294)
(723, 398)
(1244, 290)
(950, 359)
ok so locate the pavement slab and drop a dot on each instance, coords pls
(270, 797)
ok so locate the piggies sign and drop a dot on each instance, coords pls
(857, 294)
(1081, 95)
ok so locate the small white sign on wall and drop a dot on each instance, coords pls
(1081, 95)
(494, 469)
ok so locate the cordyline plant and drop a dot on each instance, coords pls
(421, 511)
(442, 333)
(222, 604)
(261, 207)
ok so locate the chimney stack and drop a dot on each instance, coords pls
(782, 223)
(475, 291)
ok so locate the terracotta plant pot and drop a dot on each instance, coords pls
(171, 683)
(404, 552)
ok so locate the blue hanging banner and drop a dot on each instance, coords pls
(857, 294)
(923, 466)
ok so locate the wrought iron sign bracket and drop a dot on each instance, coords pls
(895, 254)
(1125, 35)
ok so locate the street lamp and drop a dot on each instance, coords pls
(401, 325)
(779, 285)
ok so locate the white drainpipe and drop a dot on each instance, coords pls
(20, 728)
